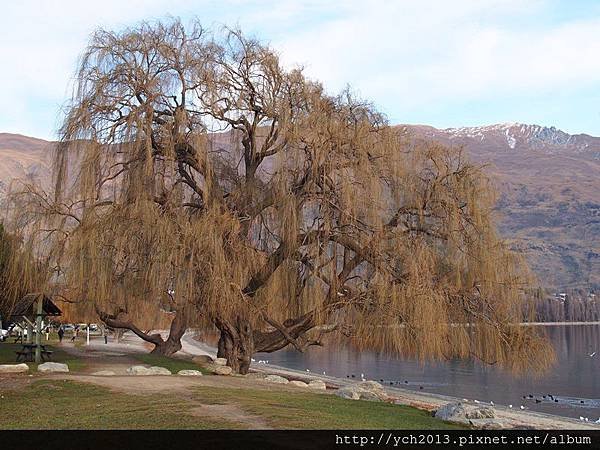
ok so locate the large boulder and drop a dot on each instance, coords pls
(14, 368)
(52, 367)
(142, 370)
(219, 370)
(458, 412)
(189, 373)
(452, 412)
(276, 379)
(370, 385)
(298, 383)
(349, 392)
(366, 390)
(221, 361)
(202, 359)
(481, 412)
(317, 384)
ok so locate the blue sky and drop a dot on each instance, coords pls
(441, 63)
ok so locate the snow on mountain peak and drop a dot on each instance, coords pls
(519, 134)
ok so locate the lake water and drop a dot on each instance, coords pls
(573, 382)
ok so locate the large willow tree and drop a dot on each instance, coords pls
(197, 176)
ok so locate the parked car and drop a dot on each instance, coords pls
(3, 335)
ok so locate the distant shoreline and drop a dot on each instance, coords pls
(535, 324)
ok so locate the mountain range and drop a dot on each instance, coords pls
(548, 185)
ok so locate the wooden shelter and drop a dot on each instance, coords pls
(32, 309)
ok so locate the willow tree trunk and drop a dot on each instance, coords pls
(173, 343)
(236, 344)
(162, 346)
(167, 348)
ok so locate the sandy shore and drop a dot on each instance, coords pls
(510, 418)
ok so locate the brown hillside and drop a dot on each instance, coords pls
(549, 194)
(548, 183)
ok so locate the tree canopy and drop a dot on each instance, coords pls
(197, 176)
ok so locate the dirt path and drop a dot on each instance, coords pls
(182, 387)
(98, 358)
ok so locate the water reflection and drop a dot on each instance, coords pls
(570, 388)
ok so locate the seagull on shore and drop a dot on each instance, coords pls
(476, 401)
(491, 403)
(522, 407)
(581, 418)
(597, 421)
(510, 406)
(592, 355)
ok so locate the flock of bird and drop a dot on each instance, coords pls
(549, 397)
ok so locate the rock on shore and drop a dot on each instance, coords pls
(479, 416)
(317, 384)
(276, 379)
(14, 368)
(142, 370)
(218, 369)
(52, 367)
(189, 373)
(202, 359)
(366, 390)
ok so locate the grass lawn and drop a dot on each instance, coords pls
(173, 364)
(56, 404)
(300, 410)
(8, 356)
(66, 404)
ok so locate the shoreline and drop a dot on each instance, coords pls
(427, 401)
(541, 324)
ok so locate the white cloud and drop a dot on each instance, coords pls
(415, 55)
(405, 55)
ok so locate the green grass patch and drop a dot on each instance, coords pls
(173, 364)
(290, 410)
(56, 404)
(66, 404)
(8, 356)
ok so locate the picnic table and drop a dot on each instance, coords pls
(27, 353)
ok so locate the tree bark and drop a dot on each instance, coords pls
(295, 331)
(173, 343)
(161, 346)
(236, 343)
